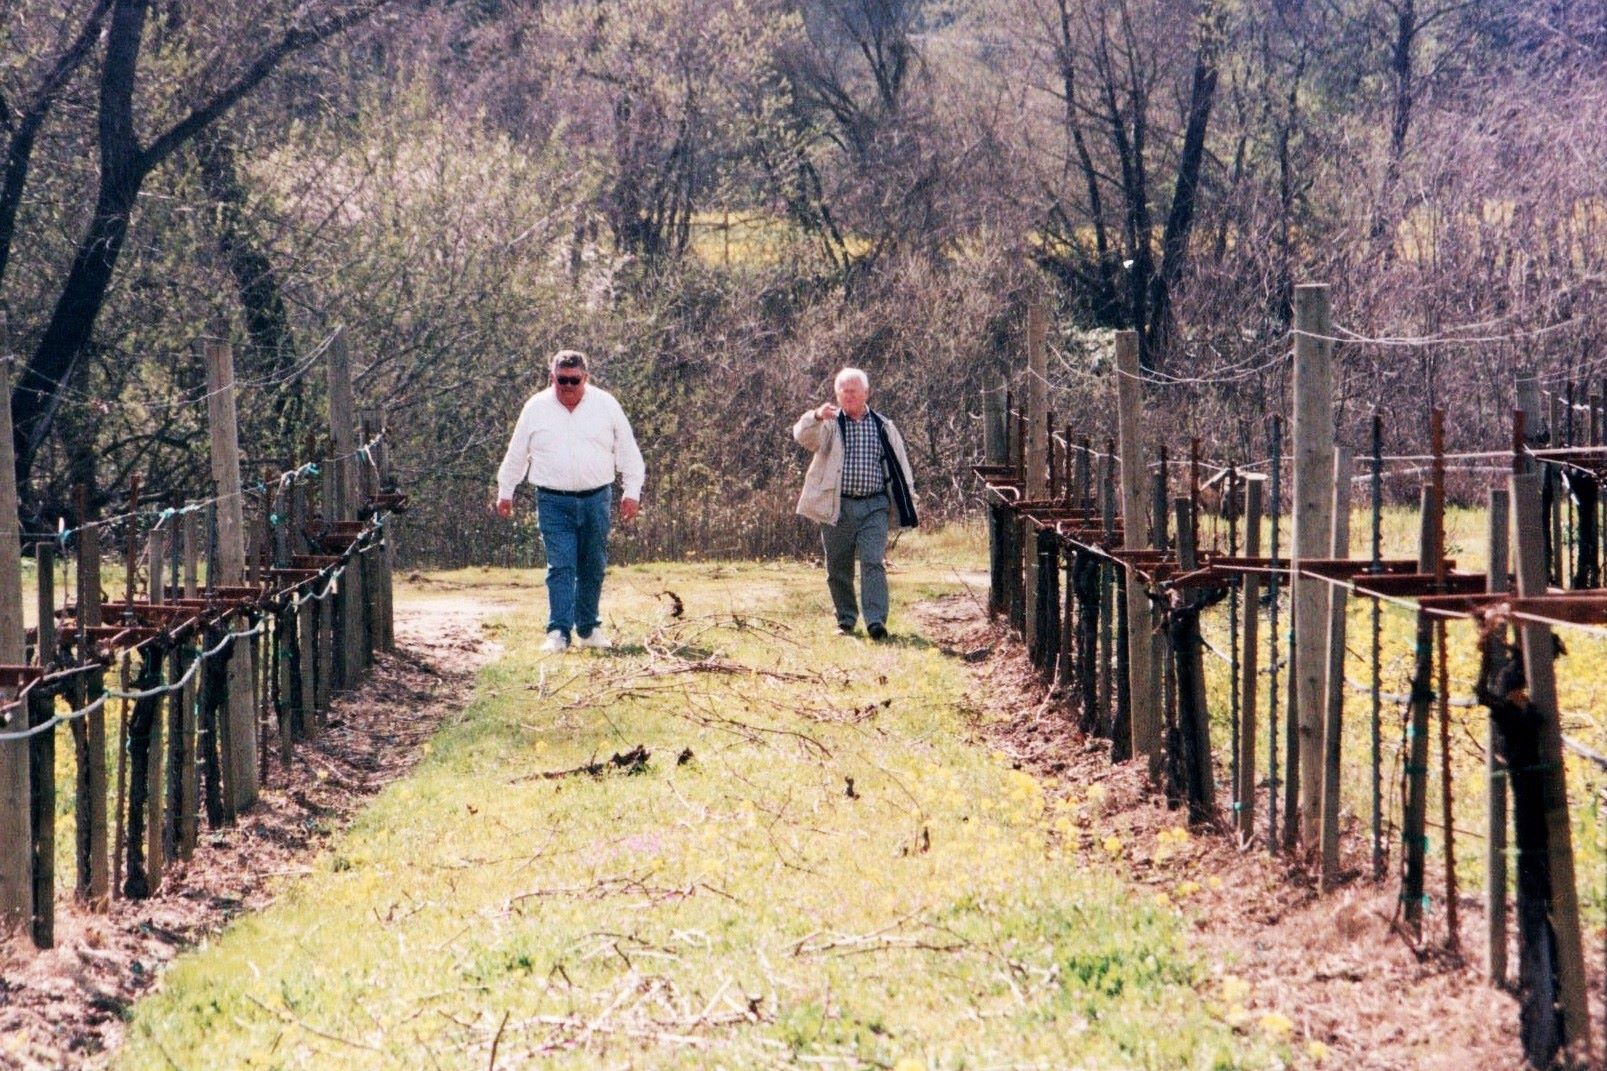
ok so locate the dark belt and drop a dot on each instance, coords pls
(860, 498)
(573, 494)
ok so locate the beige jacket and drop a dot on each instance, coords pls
(821, 498)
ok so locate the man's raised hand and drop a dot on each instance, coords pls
(826, 412)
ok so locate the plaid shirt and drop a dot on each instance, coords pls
(863, 473)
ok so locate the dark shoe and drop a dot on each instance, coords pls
(878, 631)
(845, 630)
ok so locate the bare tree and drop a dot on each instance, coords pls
(126, 160)
(853, 75)
(21, 120)
(1111, 61)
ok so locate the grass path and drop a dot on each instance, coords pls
(815, 866)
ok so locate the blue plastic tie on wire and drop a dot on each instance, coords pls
(273, 519)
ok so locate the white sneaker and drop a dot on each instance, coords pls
(598, 640)
(556, 643)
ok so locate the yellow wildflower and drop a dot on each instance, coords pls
(1316, 1051)
(1235, 990)
(1276, 1025)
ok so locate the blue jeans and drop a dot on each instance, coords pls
(574, 531)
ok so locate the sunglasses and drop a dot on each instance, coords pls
(569, 381)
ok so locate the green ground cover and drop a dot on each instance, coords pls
(835, 874)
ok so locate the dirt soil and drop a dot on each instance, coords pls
(1332, 964)
(64, 1007)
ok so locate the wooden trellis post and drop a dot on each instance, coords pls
(1312, 520)
(996, 451)
(16, 797)
(1334, 675)
(240, 761)
(385, 593)
(185, 784)
(42, 709)
(1163, 666)
(1036, 446)
(1107, 516)
(342, 508)
(1144, 711)
(1539, 653)
(89, 734)
(155, 860)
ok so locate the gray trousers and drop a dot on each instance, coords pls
(860, 532)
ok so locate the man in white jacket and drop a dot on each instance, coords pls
(859, 476)
(570, 440)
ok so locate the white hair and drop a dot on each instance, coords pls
(849, 374)
(569, 359)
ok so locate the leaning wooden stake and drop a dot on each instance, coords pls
(1188, 652)
(1539, 651)
(1144, 709)
(1249, 660)
(1334, 676)
(1495, 834)
(1443, 688)
(1312, 519)
(1414, 815)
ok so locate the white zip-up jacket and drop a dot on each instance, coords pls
(577, 450)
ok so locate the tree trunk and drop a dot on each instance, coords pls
(266, 319)
(37, 395)
(1180, 221)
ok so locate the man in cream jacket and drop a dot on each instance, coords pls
(858, 476)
